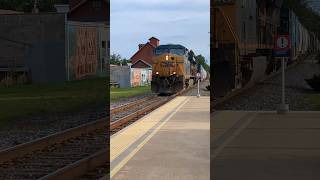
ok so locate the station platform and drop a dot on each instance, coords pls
(265, 145)
(172, 142)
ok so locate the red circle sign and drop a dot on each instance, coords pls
(282, 42)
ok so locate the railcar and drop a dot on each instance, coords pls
(173, 69)
(203, 73)
(243, 37)
(244, 33)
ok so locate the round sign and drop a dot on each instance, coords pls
(282, 42)
(198, 75)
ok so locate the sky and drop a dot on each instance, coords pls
(185, 22)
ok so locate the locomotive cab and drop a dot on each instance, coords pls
(170, 69)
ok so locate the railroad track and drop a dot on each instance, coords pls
(123, 118)
(76, 153)
(239, 92)
(64, 155)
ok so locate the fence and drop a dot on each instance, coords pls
(127, 77)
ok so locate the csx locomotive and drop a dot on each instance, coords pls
(242, 39)
(173, 69)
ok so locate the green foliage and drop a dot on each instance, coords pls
(309, 18)
(23, 100)
(208, 87)
(117, 94)
(116, 59)
(201, 60)
(314, 82)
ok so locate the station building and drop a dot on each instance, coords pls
(69, 44)
(139, 73)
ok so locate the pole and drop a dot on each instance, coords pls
(283, 108)
(283, 81)
(198, 88)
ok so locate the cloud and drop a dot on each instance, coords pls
(178, 21)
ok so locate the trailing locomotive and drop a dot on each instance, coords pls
(243, 34)
(173, 69)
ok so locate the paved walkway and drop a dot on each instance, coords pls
(171, 143)
(265, 146)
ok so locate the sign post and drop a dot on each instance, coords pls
(198, 79)
(282, 50)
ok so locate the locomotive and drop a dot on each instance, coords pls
(243, 37)
(173, 69)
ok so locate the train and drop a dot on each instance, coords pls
(174, 68)
(243, 35)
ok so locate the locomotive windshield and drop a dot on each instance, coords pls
(161, 51)
(179, 52)
(172, 49)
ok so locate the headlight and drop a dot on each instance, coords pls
(174, 72)
(157, 72)
(167, 57)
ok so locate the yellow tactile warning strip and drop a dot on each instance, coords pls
(126, 143)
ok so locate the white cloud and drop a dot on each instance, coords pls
(136, 24)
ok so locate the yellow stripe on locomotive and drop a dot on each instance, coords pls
(168, 64)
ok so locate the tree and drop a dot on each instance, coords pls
(202, 61)
(27, 5)
(116, 59)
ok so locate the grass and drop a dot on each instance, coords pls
(121, 93)
(26, 100)
(314, 100)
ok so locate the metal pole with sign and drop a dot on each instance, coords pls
(198, 79)
(281, 50)
(283, 107)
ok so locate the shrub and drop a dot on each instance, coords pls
(314, 82)
(208, 87)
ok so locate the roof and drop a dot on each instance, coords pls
(148, 43)
(142, 62)
(78, 4)
(154, 38)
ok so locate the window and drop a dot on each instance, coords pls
(103, 44)
(179, 52)
(161, 51)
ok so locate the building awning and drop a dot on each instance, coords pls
(141, 64)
